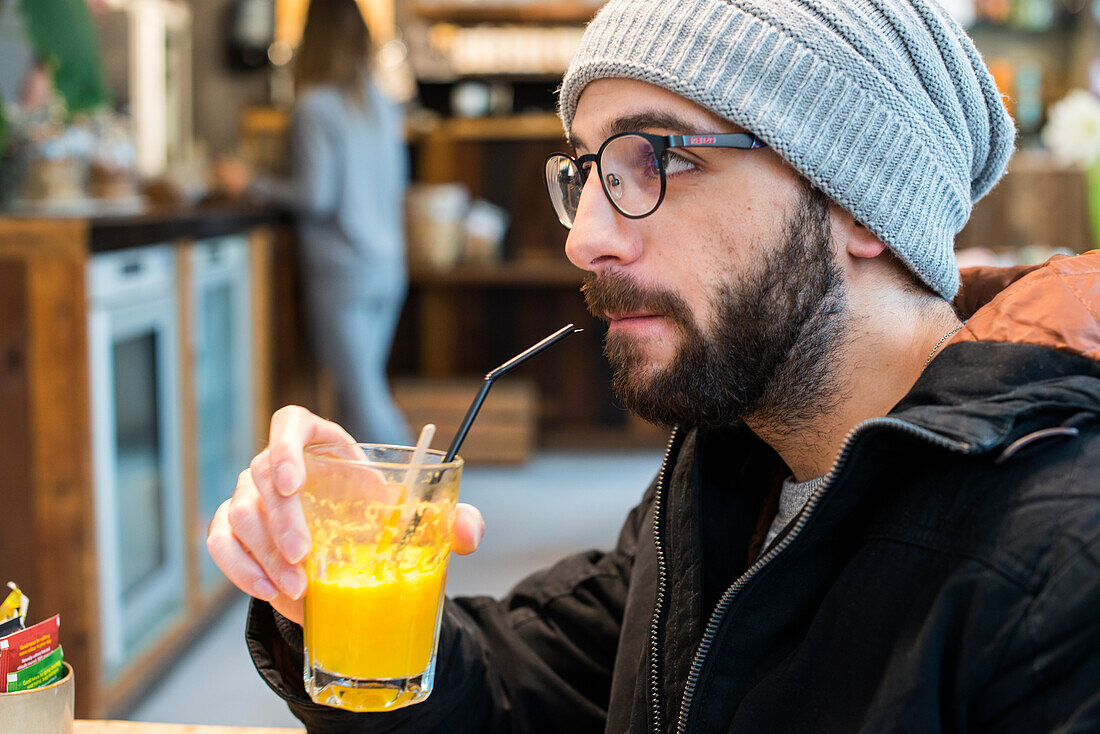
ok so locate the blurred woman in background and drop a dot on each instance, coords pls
(349, 174)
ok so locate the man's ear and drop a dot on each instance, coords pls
(859, 241)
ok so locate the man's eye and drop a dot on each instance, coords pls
(676, 164)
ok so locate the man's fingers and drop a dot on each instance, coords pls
(247, 523)
(293, 428)
(234, 561)
(285, 520)
(243, 570)
(468, 529)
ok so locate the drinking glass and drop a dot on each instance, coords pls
(377, 569)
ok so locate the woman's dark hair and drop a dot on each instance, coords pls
(336, 48)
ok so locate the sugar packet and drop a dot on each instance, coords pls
(32, 657)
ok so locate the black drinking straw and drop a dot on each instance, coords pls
(504, 369)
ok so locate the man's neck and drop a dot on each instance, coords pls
(879, 365)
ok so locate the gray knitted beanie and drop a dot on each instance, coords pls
(885, 105)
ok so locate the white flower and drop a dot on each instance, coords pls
(963, 11)
(1072, 131)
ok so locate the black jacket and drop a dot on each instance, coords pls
(944, 578)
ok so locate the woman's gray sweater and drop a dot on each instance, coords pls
(349, 173)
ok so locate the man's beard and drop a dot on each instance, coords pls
(768, 356)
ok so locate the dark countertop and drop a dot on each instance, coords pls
(120, 227)
(159, 225)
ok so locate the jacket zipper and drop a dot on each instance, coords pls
(727, 598)
(662, 578)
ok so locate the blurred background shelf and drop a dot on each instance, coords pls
(577, 13)
(529, 126)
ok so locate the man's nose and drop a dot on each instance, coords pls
(600, 237)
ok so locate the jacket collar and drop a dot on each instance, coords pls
(1056, 305)
(985, 393)
(1033, 348)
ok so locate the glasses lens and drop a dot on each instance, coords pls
(631, 176)
(563, 183)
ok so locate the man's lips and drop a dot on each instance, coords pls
(638, 324)
(614, 317)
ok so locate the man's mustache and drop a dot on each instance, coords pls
(617, 293)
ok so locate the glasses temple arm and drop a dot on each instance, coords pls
(717, 140)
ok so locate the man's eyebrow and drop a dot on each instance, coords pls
(644, 122)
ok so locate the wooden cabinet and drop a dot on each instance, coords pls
(69, 518)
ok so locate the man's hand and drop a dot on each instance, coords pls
(259, 536)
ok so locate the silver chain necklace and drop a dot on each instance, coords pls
(939, 344)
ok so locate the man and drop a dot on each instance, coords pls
(855, 528)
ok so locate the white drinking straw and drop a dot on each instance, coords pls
(427, 433)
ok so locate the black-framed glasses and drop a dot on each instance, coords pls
(631, 167)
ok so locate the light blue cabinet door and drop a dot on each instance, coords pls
(223, 378)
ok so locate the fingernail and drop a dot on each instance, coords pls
(294, 583)
(481, 530)
(294, 546)
(263, 589)
(287, 478)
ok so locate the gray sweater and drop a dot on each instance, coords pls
(349, 172)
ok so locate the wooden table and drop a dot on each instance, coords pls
(137, 727)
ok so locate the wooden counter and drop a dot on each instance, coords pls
(137, 727)
(48, 540)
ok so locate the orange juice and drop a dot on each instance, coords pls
(376, 620)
